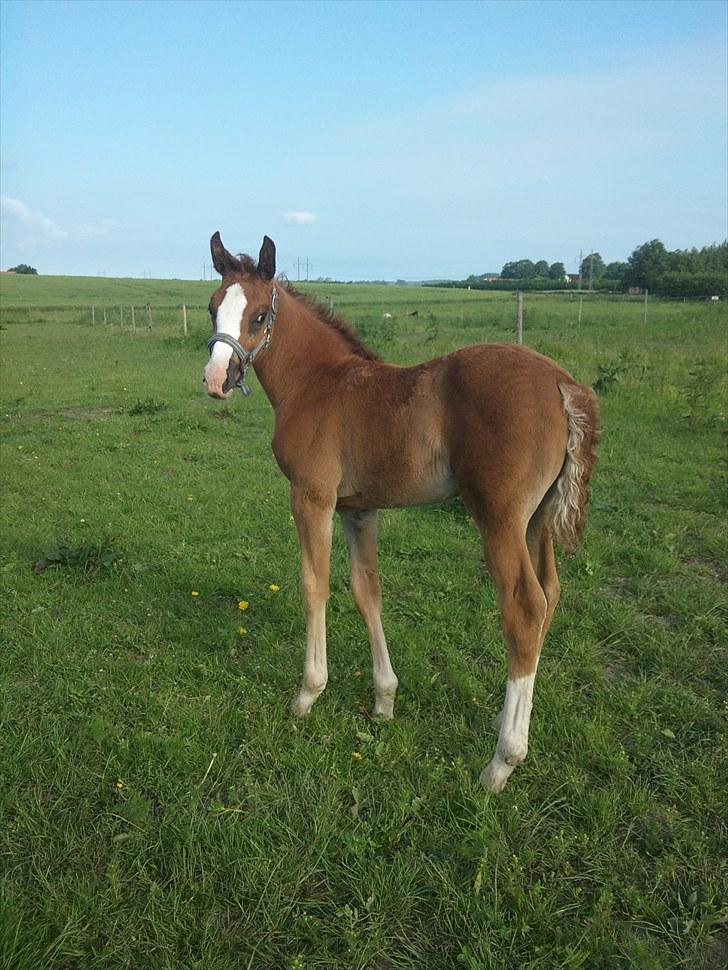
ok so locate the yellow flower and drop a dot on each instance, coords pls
(242, 631)
(243, 605)
(356, 755)
(189, 498)
(273, 588)
(194, 593)
(119, 784)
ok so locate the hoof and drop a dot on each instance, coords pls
(495, 775)
(384, 710)
(301, 705)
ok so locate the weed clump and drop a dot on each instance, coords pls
(147, 406)
(87, 557)
(705, 395)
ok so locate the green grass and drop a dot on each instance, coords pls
(159, 807)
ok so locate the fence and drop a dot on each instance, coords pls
(136, 318)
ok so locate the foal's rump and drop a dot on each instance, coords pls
(521, 432)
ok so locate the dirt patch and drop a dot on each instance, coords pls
(86, 414)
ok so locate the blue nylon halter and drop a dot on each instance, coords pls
(247, 357)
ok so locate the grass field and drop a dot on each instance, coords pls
(159, 808)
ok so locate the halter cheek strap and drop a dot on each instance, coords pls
(247, 357)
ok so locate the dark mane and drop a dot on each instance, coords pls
(327, 316)
(247, 264)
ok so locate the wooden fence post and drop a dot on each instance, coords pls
(93, 316)
(581, 301)
(647, 293)
(104, 316)
(121, 317)
(519, 316)
(133, 321)
(184, 319)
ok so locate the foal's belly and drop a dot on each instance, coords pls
(392, 490)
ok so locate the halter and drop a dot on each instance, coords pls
(247, 357)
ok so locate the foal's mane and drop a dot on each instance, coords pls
(339, 326)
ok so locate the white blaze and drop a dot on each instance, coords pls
(228, 320)
(229, 316)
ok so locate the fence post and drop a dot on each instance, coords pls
(133, 321)
(184, 319)
(581, 301)
(149, 315)
(93, 316)
(519, 316)
(121, 317)
(647, 293)
(104, 316)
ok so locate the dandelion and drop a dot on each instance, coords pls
(273, 588)
(119, 784)
(194, 593)
(189, 498)
(243, 604)
(356, 755)
(242, 631)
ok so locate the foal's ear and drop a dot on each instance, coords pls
(222, 260)
(267, 259)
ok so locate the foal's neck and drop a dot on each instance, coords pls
(301, 346)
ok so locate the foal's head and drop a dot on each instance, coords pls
(240, 308)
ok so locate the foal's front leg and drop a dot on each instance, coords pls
(314, 519)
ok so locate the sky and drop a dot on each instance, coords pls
(378, 140)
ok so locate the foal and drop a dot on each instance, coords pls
(508, 430)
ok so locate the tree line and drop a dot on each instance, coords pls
(651, 266)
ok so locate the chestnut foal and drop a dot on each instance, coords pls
(508, 430)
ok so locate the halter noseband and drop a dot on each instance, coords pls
(247, 357)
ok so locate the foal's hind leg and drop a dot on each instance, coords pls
(524, 612)
(541, 550)
(361, 535)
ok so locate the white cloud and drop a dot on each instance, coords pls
(13, 210)
(300, 218)
(44, 229)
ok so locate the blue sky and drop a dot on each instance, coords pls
(380, 140)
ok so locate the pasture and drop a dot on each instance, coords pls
(160, 808)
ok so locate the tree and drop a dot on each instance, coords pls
(541, 269)
(592, 268)
(557, 271)
(614, 271)
(24, 270)
(646, 263)
(522, 269)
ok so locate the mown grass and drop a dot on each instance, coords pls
(160, 808)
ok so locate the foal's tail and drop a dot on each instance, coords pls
(571, 489)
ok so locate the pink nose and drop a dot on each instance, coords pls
(215, 380)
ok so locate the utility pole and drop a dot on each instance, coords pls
(299, 264)
(581, 257)
(591, 272)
